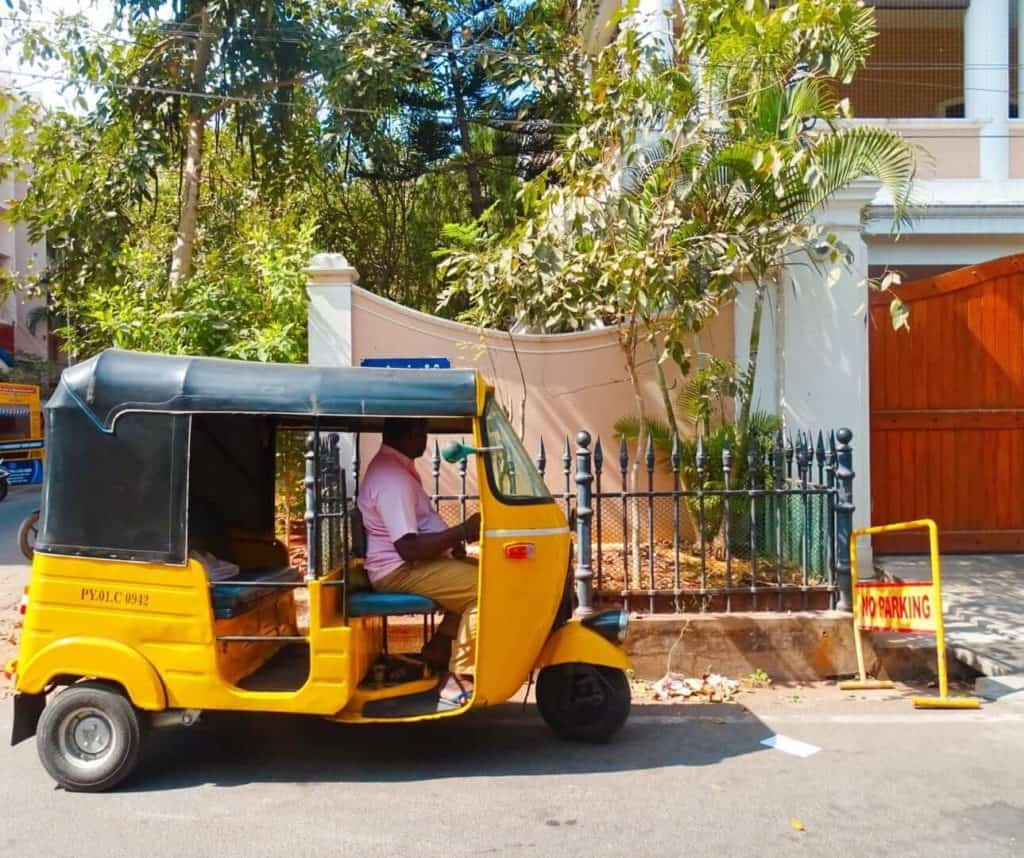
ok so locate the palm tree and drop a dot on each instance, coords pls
(775, 169)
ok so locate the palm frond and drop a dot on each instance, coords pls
(657, 430)
(849, 154)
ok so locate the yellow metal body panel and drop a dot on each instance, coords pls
(518, 598)
(576, 643)
(163, 614)
(101, 658)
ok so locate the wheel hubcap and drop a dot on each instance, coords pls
(86, 737)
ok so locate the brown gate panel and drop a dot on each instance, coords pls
(947, 409)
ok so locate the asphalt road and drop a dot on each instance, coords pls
(679, 780)
(14, 570)
(690, 780)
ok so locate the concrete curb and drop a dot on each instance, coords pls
(789, 647)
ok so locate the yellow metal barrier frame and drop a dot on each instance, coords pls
(943, 701)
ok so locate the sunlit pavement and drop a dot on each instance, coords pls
(679, 780)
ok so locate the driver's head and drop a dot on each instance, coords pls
(408, 435)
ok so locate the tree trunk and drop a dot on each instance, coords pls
(184, 241)
(670, 416)
(666, 397)
(476, 193)
(629, 347)
(751, 372)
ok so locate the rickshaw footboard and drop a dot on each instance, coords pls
(27, 709)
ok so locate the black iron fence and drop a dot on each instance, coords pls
(761, 528)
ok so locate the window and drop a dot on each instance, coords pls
(510, 470)
(15, 423)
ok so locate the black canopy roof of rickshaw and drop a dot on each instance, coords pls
(117, 382)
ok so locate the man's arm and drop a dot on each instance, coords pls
(414, 547)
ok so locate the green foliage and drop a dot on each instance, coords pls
(32, 369)
(657, 431)
(356, 127)
(108, 283)
(705, 395)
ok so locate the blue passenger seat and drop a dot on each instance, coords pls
(230, 600)
(369, 603)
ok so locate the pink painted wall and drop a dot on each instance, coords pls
(572, 381)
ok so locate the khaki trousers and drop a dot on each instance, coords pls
(451, 582)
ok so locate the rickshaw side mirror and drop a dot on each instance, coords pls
(455, 451)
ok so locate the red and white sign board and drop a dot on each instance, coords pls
(907, 606)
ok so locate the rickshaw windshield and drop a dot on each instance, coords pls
(510, 470)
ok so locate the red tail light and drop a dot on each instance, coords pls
(519, 551)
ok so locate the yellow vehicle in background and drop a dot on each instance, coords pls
(21, 436)
(152, 456)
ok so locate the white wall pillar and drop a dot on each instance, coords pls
(329, 286)
(824, 376)
(987, 81)
(653, 20)
(1020, 58)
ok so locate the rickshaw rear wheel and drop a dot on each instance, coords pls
(90, 737)
(583, 702)
(27, 534)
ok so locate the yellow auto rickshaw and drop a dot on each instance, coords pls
(126, 631)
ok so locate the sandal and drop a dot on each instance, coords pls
(449, 701)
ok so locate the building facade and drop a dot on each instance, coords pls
(23, 322)
(937, 412)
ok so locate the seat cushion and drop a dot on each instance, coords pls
(368, 603)
(230, 600)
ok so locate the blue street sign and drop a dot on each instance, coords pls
(408, 362)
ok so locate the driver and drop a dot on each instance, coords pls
(409, 549)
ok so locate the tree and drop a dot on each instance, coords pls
(773, 69)
(658, 208)
(475, 85)
(199, 123)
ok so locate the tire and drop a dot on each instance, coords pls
(583, 702)
(4, 485)
(90, 713)
(27, 535)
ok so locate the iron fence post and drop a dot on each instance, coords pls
(598, 468)
(309, 483)
(435, 474)
(844, 517)
(584, 514)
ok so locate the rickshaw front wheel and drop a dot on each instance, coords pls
(89, 737)
(583, 702)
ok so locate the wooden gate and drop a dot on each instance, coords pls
(947, 409)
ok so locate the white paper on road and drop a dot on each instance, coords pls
(790, 746)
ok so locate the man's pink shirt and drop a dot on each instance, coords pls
(393, 504)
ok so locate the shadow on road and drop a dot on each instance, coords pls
(236, 749)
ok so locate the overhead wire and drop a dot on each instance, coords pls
(278, 35)
(478, 119)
